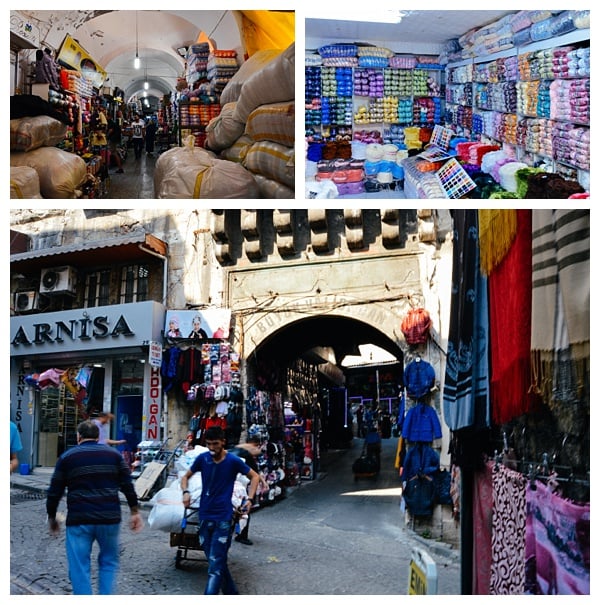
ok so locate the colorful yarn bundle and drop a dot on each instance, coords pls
(390, 110)
(411, 137)
(545, 185)
(578, 62)
(395, 135)
(340, 62)
(368, 136)
(400, 62)
(570, 100)
(477, 151)
(506, 175)
(338, 50)
(571, 145)
(397, 82)
(581, 19)
(419, 83)
(368, 83)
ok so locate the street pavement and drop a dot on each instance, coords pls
(332, 536)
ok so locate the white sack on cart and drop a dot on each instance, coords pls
(194, 173)
(27, 134)
(167, 510)
(272, 84)
(183, 462)
(61, 173)
(24, 183)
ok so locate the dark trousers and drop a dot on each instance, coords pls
(138, 147)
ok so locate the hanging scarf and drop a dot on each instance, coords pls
(560, 330)
(466, 397)
(510, 326)
(497, 232)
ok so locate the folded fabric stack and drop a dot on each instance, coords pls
(221, 67)
(197, 62)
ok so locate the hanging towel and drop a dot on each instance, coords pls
(466, 396)
(560, 330)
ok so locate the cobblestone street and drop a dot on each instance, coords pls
(333, 536)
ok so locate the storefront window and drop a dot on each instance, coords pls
(97, 289)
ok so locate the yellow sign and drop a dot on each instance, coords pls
(417, 583)
(73, 56)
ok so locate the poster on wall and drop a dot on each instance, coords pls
(73, 56)
(198, 325)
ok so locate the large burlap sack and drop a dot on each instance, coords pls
(224, 130)
(61, 173)
(256, 62)
(24, 183)
(273, 122)
(272, 160)
(193, 173)
(272, 190)
(237, 152)
(37, 131)
(272, 84)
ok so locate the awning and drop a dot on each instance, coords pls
(114, 250)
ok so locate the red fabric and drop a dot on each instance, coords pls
(415, 326)
(510, 326)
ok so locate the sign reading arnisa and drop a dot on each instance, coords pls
(82, 329)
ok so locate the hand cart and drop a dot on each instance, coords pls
(156, 463)
(186, 541)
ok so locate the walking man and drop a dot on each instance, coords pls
(93, 474)
(102, 422)
(139, 130)
(219, 470)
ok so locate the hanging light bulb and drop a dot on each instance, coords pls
(136, 61)
(146, 85)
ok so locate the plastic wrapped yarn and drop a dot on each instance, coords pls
(489, 160)
(507, 176)
(562, 23)
(542, 30)
(359, 150)
(374, 152)
(581, 19)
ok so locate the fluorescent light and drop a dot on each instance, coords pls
(380, 15)
(136, 62)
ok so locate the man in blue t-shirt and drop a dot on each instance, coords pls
(219, 470)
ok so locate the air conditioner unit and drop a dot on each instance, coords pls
(58, 280)
(26, 301)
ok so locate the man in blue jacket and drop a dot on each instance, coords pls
(93, 474)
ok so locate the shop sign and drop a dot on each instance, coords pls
(208, 323)
(152, 414)
(155, 353)
(73, 56)
(134, 324)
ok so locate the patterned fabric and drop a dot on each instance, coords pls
(507, 572)
(466, 397)
(557, 543)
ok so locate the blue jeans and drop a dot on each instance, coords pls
(79, 541)
(215, 540)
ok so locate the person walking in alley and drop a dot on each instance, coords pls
(15, 446)
(102, 422)
(219, 470)
(93, 474)
(138, 127)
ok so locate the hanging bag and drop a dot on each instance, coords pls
(416, 325)
(419, 495)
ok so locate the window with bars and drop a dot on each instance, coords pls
(134, 283)
(97, 288)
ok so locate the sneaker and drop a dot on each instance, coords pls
(120, 171)
(243, 540)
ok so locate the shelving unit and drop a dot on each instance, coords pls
(474, 103)
(193, 117)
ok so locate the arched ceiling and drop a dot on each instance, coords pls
(110, 38)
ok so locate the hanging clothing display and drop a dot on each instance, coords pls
(507, 571)
(419, 378)
(422, 424)
(466, 396)
(557, 543)
(510, 326)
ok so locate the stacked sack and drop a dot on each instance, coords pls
(58, 174)
(256, 127)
